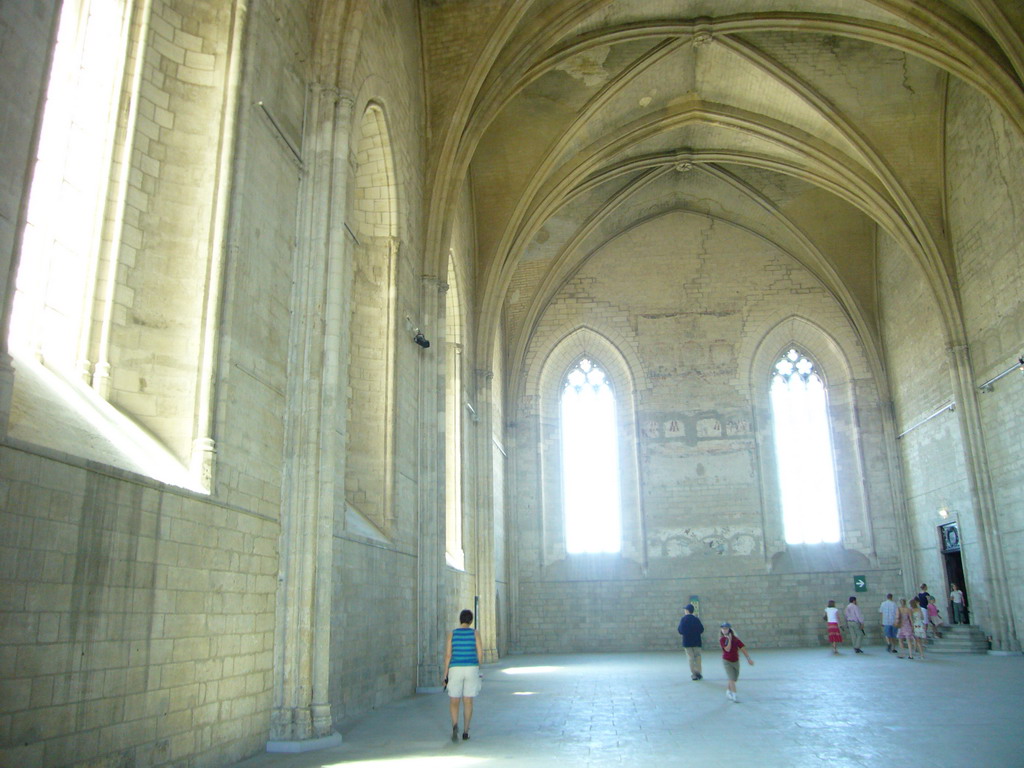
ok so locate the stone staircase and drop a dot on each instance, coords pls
(959, 638)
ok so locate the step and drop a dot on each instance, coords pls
(960, 638)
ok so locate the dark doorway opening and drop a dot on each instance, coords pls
(953, 561)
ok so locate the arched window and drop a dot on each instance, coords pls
(590, 464)
(369, 448)
(803, 447)
(119, 273)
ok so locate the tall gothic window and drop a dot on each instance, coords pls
(803, 447)
(590, 463)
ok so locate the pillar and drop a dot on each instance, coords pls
(485, 565)
(431, 500)
(301, 718)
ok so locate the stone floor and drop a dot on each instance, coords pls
(796, 708)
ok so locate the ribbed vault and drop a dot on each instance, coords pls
(812, 124)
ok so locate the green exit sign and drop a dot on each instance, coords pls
(860, 584)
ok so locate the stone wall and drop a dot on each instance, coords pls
(931, 450)
(982, 164)
(374, 613)
(986, 163)
(770, 611)
(699, 326)
(138, 621)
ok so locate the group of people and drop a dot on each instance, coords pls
(691, 628)
(904, 626)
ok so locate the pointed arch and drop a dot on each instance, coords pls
(370, 418)
(847, 378)
(555, 363)
(803, 449)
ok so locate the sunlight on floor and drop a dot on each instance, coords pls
(439, 761)
(530, 670)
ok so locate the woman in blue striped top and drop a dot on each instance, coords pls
(462, 672)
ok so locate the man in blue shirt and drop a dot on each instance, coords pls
(691, 629)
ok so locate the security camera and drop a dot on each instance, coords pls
(420, 339)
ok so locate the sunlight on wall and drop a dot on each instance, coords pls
(98, 422)
(69, 185)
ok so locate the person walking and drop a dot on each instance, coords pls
(691, 628)
(922, 597)
(855, 624)
(905, 631)
(462, 672)
(920, 625)
(889, 611)
(832, 619)
(731, 647)
(934, 617)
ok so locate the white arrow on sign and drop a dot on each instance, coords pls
(860, 582)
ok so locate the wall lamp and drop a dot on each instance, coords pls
(417, 335)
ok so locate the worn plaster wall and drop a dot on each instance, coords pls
(699, 311)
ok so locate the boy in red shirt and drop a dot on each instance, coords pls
(731, 647)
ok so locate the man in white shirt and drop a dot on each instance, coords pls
(956, 599)
(888, 610)
(854, 624)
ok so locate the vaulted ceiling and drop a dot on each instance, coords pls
(811, 123)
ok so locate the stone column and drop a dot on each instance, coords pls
(301, 719)
(516, 444)
(485, 566)
(431, 545)
(999, 617)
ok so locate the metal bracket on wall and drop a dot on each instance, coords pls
(280, 133)
(943, 409)
(1019, 365)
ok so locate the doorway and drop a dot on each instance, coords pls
(952, 559)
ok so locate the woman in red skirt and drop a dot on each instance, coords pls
(834, 635)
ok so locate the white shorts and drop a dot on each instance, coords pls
(463, 682)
